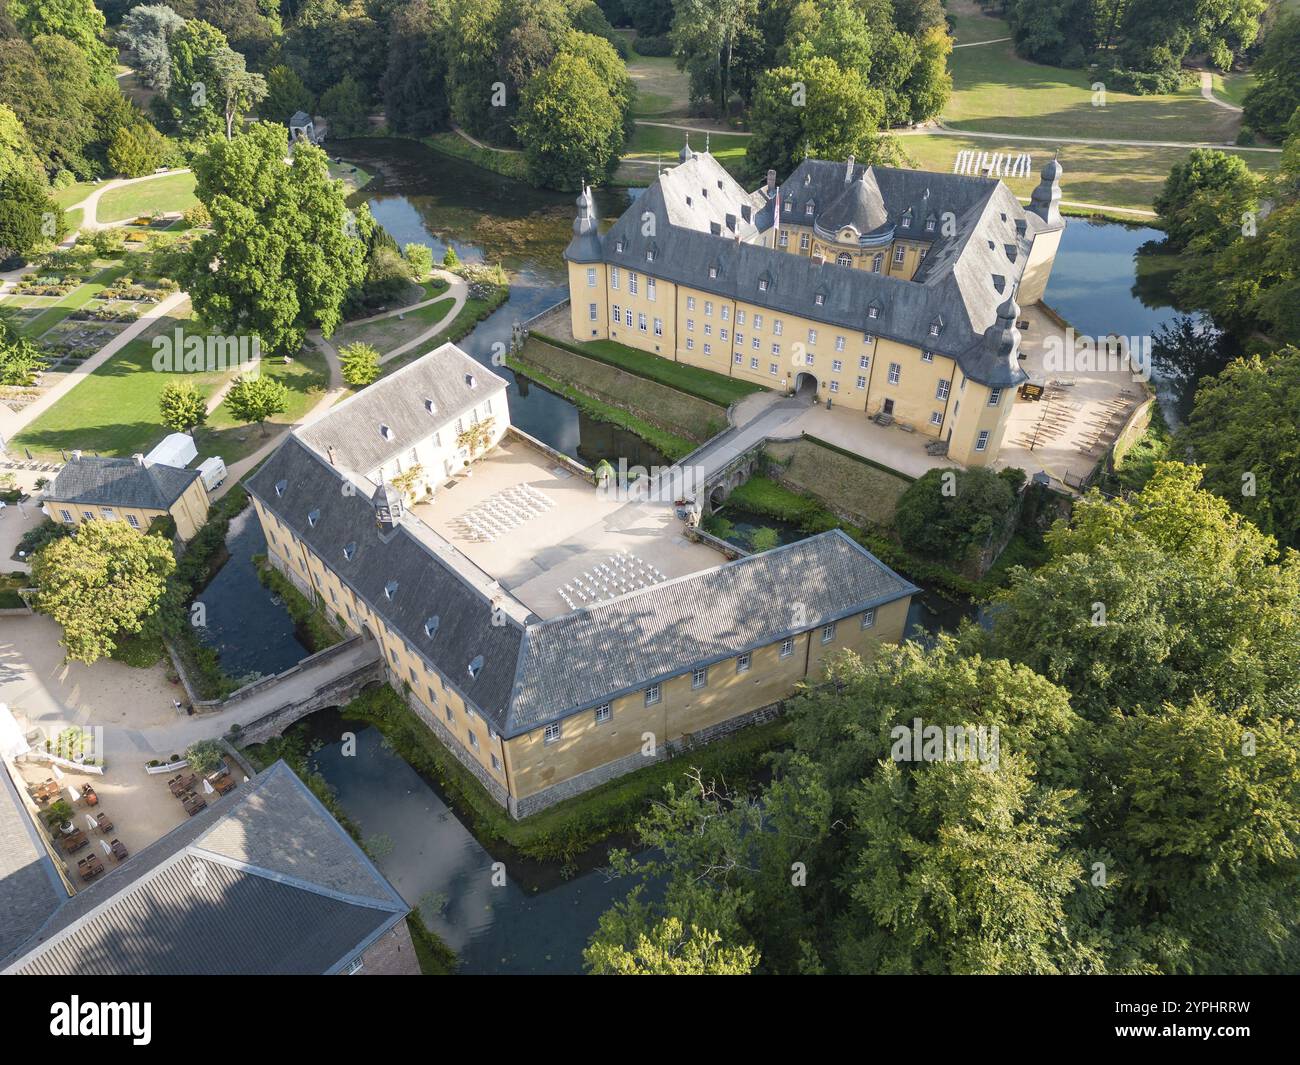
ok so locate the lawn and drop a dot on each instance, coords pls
(389, 333)
(1112, 175)
(1232, 88)
(74, 300)
(353, 177)
(971, 27)
(661, 89)
(114, 411)
(72, 194)
(170, 192)
(650, 145)
(694, 381)
(995, 91)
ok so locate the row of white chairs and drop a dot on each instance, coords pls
(504, 511)
(621, 574)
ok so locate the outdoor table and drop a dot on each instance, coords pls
(104, 823)
(74, 841)
(119, 850)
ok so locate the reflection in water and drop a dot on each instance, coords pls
(247, 627)
(440, 869)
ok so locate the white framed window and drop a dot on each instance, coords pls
(776, 349)
(934, 329)
(772, 368)
(899, 253)
(690, 325)
(877, 261)
(708, 308)
(758, 321)
(613, 277)
(839, 343)
(740, 340)
(496, 764)
(995, 397)
(108, 513)
(449, 715)
(836, 365)
(699, 678)
(864, 362)
(812, 337)
(778, 326)
(740, 317)
(659, 327)
(743, 663)
(738, 359)
(895, 372)
(651, 292)
(785, 236)
(936, 417)
(133, 521)
(982, 441)
(724, 312)
(803, 239)
(618, 314)
(551, 733)
(834, 386)
(927, 356)
(591, 278)
(941, 390)
(844, 259)
(787, 647)
(828, 632)
(708, 349)
(641, 321)
(810, 359)
(819, 299)
(652, 695)
(756, 344)
(473, 740)
(354, 966)
(690, 343)
(873, 312)
(713, 271)
(592, 313)
(753, 362)
(633, 284)
(603, 713)
(929, 225)
(861, 382)
(722, 335)
(690, 303)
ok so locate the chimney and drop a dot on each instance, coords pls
(330, 451)
(139, 458)
(848, 170)
(771, 183)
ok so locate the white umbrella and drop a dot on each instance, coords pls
(90, 823)
(208, 787)
(72, 793)
(108, 851)
(58, 773)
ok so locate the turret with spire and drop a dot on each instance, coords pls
(1002, 338)
(585, 246)
(1046, 199)
(685, 155)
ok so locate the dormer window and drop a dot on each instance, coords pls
(386, 432)
(688, 201)
(820, 299)
(618, 245)
(431, 406)
(349, 550)
(807, 178)
(762, 284)
(313, 518)
(936, 327)
(650, 255)
(471, 381)
(808, 209)
(713, 271)
(280, 486)
(431, 625)
(873, 311)
(476, 667)
(390, 589)
(929, 225)
(789, 206)
(907, 221)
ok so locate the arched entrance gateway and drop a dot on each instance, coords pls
(805, 386)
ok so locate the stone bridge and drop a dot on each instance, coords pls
(268, 706)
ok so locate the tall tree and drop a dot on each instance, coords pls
(147, 31)
(281, 255)
(102, 582)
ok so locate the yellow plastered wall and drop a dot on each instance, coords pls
(587, 286)
(975, 414)
(650, 302)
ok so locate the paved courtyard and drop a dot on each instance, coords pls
(544, 553)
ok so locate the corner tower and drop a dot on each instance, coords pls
(588, 306)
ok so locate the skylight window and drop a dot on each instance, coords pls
(390, 589)
(431, 625)
(476, 666)
(471, 381)
(386, 431)
(431, 406)
(350, 550)
(280, 486)
(313, 518)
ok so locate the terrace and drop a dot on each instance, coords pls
(541, 554)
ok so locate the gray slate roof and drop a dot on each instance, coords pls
(583, 658)
(187, 905)
(426, 583)
(120, 483)
(30, 889)
(547, 669)
(957, 285)
(354, 428)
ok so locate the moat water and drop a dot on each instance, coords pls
(537, 921)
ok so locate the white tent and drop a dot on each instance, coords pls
(177, 449)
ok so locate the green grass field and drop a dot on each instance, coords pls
(662, 90)
(114, 411)
(1232, 88)
(74, 300)
(995, 91)
(972, 27)
(389, 333)
(173, 192)
(1112, 175)
(650, 144)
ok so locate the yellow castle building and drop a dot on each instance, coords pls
(894, 292)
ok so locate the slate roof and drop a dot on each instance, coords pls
(264, 883)
(986, 245)
(583, 658)
(30, 888)
(120, 483)
(427, 583)
(400, 401)
(541, 670)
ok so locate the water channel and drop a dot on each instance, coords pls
(539, 922)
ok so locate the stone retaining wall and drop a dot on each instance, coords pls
(493, 786)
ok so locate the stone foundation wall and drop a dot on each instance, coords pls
(493, 786)
(593, 778)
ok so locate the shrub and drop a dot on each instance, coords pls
(205, 756)
(654, 46)
(945, 513)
